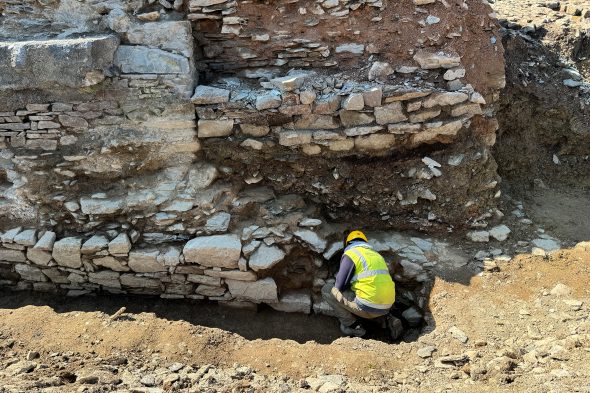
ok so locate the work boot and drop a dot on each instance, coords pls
(354, 330)
(395, 327)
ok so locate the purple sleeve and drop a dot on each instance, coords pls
(345, 273)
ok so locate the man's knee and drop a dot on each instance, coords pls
(327, 290)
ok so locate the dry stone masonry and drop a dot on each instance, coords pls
(219, 149)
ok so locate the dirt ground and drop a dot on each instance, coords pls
(522, 327)
(505, 317)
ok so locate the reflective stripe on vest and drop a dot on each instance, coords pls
(366, 272)
(372, 281)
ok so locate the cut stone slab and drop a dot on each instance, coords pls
(316, 243)
(500, 232)
(265, 257)
(269, 100)
(445, 99)
(391, 113)
(170, 257)
(12, 256)
(219, 222)
(233, 274)
(145, 261)
(46, 241)
(110, 263)
(205, 95)
(207, 280)
(354, 102)
(28, 237)
(95, 244)
(288, 83)
(294, 301)
(30, 273)
(66, 252)
(39, 257)
(214, 251)
(8, 236)
(215, 128)
(101, 206)
(172, 36)
(105, 278)
(208, 290)
(261, 291)
(143, 60)
(120, 245)
(39, 64)
(133, 281)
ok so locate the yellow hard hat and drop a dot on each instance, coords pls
(356, 235)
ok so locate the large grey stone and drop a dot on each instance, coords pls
(101, 206)
(391, 113)
(205, 95)
(8, 236)
(120, 245)
(132, 281)
(30, 273)
(219, 222)
(173, 36)
(143, 60)
(214, 251)
(39, 257)
(105, 278)
(294, 301)
(444, 99)
(66, 252)
(94, 244)
(12, 255)
(74, 62)
(269, 100)
(46, 241)
(315, 242)
(215, 128)
(208, 290)
(500, 232)
(261, 291)
(28, 237)
(146, 261)
(110, 263)
(265, 257)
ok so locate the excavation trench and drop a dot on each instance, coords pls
(300, 272)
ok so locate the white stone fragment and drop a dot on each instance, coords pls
(500, 232)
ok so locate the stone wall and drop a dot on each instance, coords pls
(220, 149)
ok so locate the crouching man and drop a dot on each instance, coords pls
(363, 287)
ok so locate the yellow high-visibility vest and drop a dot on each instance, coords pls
(371, 282)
